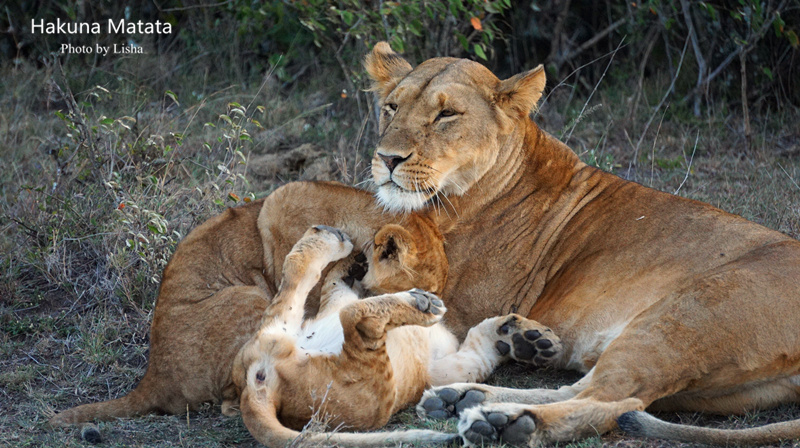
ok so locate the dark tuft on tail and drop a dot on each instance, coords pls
(90, 433)
(629, 423)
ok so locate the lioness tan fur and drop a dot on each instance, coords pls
(664, 302)
(360, 361)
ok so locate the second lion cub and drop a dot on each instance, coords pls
(360, 361)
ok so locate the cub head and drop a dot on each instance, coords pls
(441, 124)
(407, 256)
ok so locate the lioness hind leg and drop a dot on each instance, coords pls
(536, 425)
(302, 269)
(366, 322)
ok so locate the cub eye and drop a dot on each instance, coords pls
(446, 113)
(391, 106)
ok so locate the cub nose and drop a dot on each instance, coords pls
(391, 161)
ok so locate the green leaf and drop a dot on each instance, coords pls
(767, 72)
(348, 17)
(107, 121)
(792, 36)
(172, 95)
(479, 51)
(778, 24)
(463, 41)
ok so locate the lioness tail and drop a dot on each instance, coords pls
(641, 423)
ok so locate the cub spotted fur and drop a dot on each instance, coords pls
(360, 361)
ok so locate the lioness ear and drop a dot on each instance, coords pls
(386, 68)
(518, 95)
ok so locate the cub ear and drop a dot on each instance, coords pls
(393, 242)
(386, 68)
(518, 95)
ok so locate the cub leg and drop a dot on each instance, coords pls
(302, 269)
(488, 344)
(366, 322)
(363, 369)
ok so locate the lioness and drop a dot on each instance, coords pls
(360, 361)
(664, 302)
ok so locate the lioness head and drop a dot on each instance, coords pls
(441, 124)
(405, 257)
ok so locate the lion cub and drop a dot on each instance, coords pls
(360, 361)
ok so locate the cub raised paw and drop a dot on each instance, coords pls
(527, 341)
(319, 246)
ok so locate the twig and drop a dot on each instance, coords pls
(653, 150)
(185, 8)
(591, 42)
(595, 88)
(640, 84)
(561, 83)
(555, 42)
(745, 110)
(742, 48)
(655, 111)
(689, 168)
(698, 54)
(789, 176)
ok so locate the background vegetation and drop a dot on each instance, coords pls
(110, 161)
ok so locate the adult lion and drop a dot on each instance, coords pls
(664, 302)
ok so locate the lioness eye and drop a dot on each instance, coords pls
(392, 106)
(446, 113)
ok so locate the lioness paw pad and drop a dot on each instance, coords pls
(446, 402)
(479, 428)
(528, 342)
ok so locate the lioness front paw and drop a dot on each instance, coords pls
(527, 341)
(505, 422)
(450, 401)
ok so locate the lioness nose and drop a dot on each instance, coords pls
(392, 161)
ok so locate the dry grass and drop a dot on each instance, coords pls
(79, 272)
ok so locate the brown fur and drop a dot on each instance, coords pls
(665, 302)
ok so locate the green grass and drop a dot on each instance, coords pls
(80, 272)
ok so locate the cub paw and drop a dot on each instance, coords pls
(331, 242)
(427, 302)
(441, 403)
(527, 341)
(482, 426)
